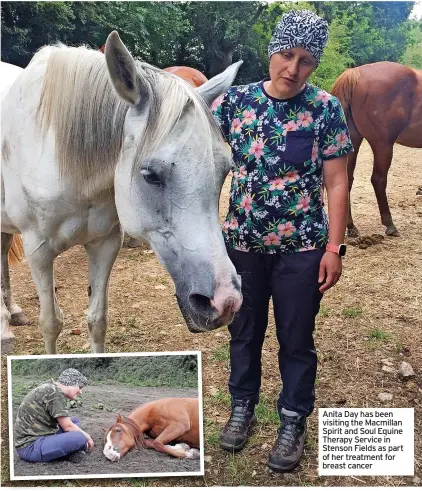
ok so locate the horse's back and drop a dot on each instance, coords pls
(9, 73)
(387, 102)
(191, 75)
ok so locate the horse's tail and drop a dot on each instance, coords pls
(344, 88)
(16, 253)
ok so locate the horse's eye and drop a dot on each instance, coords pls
(151, 177)
(118, 430)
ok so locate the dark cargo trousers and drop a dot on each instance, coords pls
(48, 448)
(292, 282)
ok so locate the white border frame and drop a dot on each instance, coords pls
(102, 476)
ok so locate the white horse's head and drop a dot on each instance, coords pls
(168, 181)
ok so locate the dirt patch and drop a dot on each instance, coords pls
(114, 399)
(373, 313)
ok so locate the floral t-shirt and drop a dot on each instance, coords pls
(278, 148)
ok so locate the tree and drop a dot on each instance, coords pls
(219, 29)
(413, 55)
(26, 26)
(376, 30)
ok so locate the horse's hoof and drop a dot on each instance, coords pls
(19, 319)
(182, 445)
(352, 232)
(193, 453)
(419, 192)
(7, 345)
(135, 243)
(391, 231)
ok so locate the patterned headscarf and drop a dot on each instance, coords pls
(72, 377)
(300, 29)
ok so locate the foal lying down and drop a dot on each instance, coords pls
(155, 425)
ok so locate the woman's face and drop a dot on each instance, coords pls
(289, 70)
(72, 392)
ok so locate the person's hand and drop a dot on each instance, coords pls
(90, 443)
(329, 270)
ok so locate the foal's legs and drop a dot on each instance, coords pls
(383, 154)
(18, 318)
(40, 258)
(356, 138)
(102, 253)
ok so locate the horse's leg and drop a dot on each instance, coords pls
(383, 155)
(17, 317)
(170, 433)
(40, 258)
(356, 138)
(134, 243)
(7, 336)
(102, 253)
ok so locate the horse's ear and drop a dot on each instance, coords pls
(122, 69)
(219, 84)
(119, 419)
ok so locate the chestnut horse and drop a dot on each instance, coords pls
(191, 75)
(163, 421)
(382, 103)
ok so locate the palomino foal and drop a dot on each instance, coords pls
(91, 142)
(164, 421)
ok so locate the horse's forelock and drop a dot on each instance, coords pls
(170, 97)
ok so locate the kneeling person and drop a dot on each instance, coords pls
(43, 429)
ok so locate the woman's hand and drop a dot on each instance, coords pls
(329, 270)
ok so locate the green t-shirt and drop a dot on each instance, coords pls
(38, 413)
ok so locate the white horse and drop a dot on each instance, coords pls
(91, 140)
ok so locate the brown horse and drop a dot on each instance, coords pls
(191, 75)
(383, 103)
(163, 421)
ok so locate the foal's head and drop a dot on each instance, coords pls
(120, 438)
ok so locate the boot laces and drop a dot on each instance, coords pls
(240, 410)
(287, 434)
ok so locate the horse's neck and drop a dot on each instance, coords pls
(140, 417)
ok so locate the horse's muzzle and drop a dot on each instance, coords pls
(201, 316)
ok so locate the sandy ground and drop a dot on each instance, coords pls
(372, 314)
(115, 399)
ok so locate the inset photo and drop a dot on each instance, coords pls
(108, 415)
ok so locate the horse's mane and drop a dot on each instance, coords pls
(136, 432)
(79, 102)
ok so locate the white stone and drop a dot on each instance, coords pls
(406, 370)
(385, 396)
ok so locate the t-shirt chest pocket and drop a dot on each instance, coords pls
(299, 146)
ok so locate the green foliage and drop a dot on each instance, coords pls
(352, 312)
(26, 26)
(378, 334)
(141, 371)
(211, 35)
(222, 353)
(335, 60)
(413, 55)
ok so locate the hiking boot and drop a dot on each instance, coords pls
(238, 428)
(288, 447)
